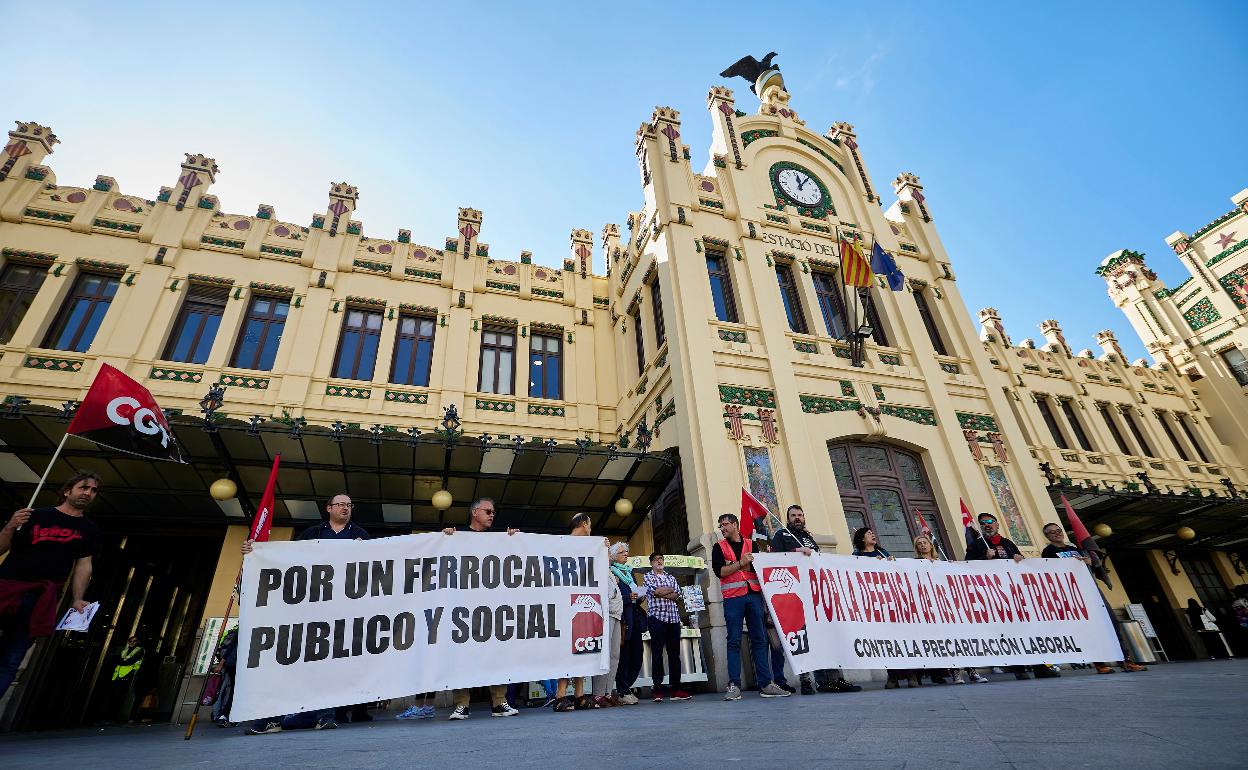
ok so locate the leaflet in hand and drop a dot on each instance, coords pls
(78, 621)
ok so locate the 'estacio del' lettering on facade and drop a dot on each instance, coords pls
(800, 244)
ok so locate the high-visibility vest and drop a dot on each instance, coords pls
(743, 580)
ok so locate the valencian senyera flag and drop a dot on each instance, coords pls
(883, 263)
(121, 414)
(854, 266)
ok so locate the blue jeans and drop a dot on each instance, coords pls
(15, 640)
(777, 658)
(750, 609)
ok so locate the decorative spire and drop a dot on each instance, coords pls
(342, 201)
(843, 133)
(1108, 343)
(723, 111)
(28, 145)
(666, 122)
(908, 189)
(1052, 332)
(990, 326)
(582, 250)
(469, 226)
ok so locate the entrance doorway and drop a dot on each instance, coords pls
(883, 487)
(151, 584)
(1134, 570)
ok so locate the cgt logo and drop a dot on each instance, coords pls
(786, 605)
(144, 420)
(587, 624)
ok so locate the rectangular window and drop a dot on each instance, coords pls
(82, 314)
(721, 288)
(1181, 419)
(831, 303)
(545, 366)
(1050, 420)
(197, 323)
(789, 296)
(1113, 428)
(639, 340)
(413, 351)
(1135, 431)
(1237, 363)
(877, 326)
(261, 332)
(19, 284)
(929, 323)
(1068, 409)
(498, 361)
(357, 347)
(656, 302)
(1174, 440)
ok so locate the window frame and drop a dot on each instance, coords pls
(364, 332)
(928, 317)
(1181, 419)
(546, 357)
(1160, 414)
(831, 303)
(1137, 433)
(791, 298)
(29, 290)
(210, 303)
(728, 295)
(1239, 370)
(1050, 420)
(1114, 431)
(639, 339)
(656, 302)
(60, 324)
(511, 386)
(269, 321)
(417, 339)
(1076, 427)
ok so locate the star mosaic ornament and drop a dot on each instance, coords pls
(1225, 239)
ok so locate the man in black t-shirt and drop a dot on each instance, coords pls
(46, 546)
(1058, 548)
(992, 544)
(795, 537)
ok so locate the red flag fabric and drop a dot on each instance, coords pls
(751, 509)
(1076, 524)
(966, 513)
(264, 514)
(854, 266)
(121, 414)
(922, 522)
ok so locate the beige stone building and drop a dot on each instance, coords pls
(720, 351)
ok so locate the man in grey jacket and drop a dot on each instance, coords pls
(605, 683)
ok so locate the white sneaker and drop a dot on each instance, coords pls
(957, 679)
(459, 712)
(733, 692)
(772, 690)
(503, 710)
(628, 699)
(977, 679)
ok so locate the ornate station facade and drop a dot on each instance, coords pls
(712, 356)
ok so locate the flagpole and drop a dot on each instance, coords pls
(46, 471)
(225, 624)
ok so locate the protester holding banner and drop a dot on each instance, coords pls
(580, 526)
(1058, 548)
(604, 684)
(481, 519)
(338, 527)
(732, 560)
(867, 544)
(793, 538)
(991, 544)
(632, 625)
(45, 547)
(925, 548)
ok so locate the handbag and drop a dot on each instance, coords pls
(212, 689)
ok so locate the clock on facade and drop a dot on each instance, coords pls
(796, 185)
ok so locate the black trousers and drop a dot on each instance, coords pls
(664, 637)
(630, 663)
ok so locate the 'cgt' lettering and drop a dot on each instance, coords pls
(144, 420)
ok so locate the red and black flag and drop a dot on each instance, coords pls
(121, 414)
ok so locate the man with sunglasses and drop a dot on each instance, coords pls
(338, 526)
(991, 544)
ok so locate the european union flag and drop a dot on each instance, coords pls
(882, 263)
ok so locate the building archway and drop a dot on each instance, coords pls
(883, 487)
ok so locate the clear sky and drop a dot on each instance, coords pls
(1047, 135)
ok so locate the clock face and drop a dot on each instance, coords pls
(800, 187)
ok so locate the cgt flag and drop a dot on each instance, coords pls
(751, 512)
(264, 514)
(121, 414)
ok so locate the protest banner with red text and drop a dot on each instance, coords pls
(854, 612)
(325, 623)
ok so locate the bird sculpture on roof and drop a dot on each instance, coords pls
(750, 68)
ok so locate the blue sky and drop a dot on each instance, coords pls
(1046, 135)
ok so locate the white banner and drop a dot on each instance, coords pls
(857, 612)
(327, 623)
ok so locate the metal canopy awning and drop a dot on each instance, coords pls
(1150, 520)
(537, 484)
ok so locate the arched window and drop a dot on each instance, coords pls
(883, 487)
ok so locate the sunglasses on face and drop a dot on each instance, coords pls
(987, 521)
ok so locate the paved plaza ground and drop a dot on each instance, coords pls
(1177, 715)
